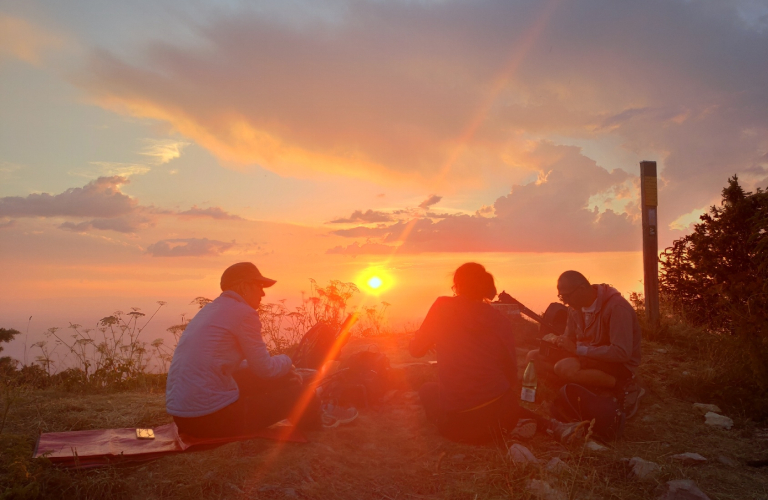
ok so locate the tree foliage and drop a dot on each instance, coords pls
(716, 276)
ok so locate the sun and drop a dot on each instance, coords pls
(375, 282)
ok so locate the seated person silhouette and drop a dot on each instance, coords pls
(476, 398)
(601, 344)
(222, 380)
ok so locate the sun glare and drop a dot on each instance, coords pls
(374, 280)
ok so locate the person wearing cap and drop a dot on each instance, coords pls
(222, 380)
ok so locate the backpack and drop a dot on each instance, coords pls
(315, 347)
(362, 379)
(575, 403)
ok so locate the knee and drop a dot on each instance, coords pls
(567, 368)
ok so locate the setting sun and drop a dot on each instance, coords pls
(374, 282)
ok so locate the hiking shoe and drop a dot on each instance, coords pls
(525, 429)
(334, 415)
(568, 433)
(632, 395)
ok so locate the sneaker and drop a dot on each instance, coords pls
(568, 433)
(525, 429)
(632, 394)
(334, 415)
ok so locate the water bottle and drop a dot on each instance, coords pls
(529, 384)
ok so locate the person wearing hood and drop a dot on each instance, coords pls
(601, 343)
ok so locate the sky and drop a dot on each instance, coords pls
(145, 146)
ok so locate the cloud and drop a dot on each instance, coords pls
(98, 198)
(162, 151)
(358, 216)
(365, 249)
(550, 214)
(188, 247)
(212, 212)
(21, 40)
(432, 200)
(7, 224)
(111, 168)
(381, 91)
(128, 224)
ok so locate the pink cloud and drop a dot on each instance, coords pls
(213, 212)
(188, 247)
(98, 198)
(549, 215)
(360, 217)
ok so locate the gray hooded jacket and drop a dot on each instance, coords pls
(613, 332)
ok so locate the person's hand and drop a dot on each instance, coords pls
(566, 344)
(551, 338)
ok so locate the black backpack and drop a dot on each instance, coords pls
(575, 403)
(361, 381)
(315, 347)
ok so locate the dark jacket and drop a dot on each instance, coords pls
(613, 332)
(476, 359)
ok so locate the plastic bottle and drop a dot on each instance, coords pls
(530, 382)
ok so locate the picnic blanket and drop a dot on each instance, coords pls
(99, 447)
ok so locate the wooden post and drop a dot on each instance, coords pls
(649, 203)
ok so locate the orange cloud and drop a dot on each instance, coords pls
(21, 40)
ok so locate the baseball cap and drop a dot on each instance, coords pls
(243, 271)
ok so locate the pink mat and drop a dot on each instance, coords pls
(95, 448)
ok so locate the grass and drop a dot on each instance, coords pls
(391, 452)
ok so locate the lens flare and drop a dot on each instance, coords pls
(375, 282)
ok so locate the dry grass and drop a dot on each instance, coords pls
(389, 453)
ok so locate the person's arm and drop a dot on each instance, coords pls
(620, 323)
(426, 335)
(260, 362)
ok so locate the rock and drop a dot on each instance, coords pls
(414, 407)
(643, 469)
(520, 454)
(648, 418)
(661, 351)
(686, 373)
(682, 489)
(459, 457)
(727, 461)
(389, 395)
(556, 466)
(235, 488)
(593, 446)
(706, 408)
(689, 458)
(716, 420)
(544, 491)
(411, 395)
(290, 492)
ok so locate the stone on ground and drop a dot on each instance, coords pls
(593, 446)
(520, 454)
(682, 489)
(706, 408)
(689, 458)
(556, 466)
(727, 461)
(642, 469)
(544, 491)
(716, 420)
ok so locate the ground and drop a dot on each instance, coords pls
(389, 452)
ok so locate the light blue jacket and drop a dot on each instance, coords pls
(214, 344)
